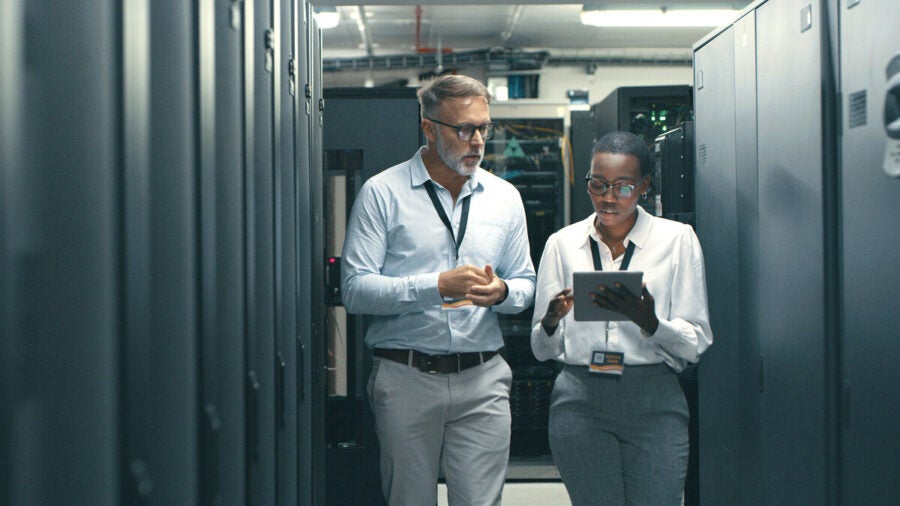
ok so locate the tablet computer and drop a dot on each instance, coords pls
(587, 281)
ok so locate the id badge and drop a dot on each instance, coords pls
(455, 304)
(607, 362)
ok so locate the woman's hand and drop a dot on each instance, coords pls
(641, 310)
(558, 307)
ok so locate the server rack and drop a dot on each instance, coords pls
(794, 367)
(869, 192)
(58, 247)
(150, 202)
(582, 135)
(716, 130)
(528, 154)
(784, 366)
(647, 111)
(310, 191)
(672, 156)
(366, 130)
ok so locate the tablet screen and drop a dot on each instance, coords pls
(587, 281)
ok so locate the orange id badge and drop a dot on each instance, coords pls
(611, 363)
(454, 304)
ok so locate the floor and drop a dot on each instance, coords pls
(529, 482)
(528, 493)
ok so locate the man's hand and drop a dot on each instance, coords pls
(490, 293)
(641, 310)
(457, 282)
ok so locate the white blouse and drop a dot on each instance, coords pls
(669, 254)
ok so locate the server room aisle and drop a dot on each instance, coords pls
(544, 493)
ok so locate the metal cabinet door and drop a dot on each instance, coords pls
(717, 223)
(59, 246)
(222, 205)
(308, 346)
(792, 236)
(285, 227)
(870, 253)
(160, 356)
(259, 63)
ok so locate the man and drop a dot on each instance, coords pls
(435, 247)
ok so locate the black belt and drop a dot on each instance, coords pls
(433, 364)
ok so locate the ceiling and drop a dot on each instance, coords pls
(371, 34)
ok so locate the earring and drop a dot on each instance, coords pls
(644, 195)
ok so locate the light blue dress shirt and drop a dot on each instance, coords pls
(396, 246)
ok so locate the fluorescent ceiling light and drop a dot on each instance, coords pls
(327, 17)
(598, 16)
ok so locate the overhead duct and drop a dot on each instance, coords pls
(499, 60)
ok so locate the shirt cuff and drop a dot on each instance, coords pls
(665, 333)
(546, 346)
(505, 295)
(426, 286)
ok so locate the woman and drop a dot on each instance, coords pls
(620, 435)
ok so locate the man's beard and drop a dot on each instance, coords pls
(455, 161)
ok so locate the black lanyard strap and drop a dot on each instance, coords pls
(464, 219)
(595, 251)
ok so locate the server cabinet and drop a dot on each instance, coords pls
(60, 317)
(366, 130)
(527, 153)
(152, 244)
(313, 226)
(222, 256)
(870, 204)
(309, 404)
(260, 365)
(160, 290)
(646, 111)
(717, 225)
(772, 310)
(792, 319)
(744, 344)
(286, 255)
(672, 155)
(581, 132)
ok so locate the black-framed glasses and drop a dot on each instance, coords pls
(467, 130)
(599, 187)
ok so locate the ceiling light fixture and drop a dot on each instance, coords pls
(327, 17)
(620, 15)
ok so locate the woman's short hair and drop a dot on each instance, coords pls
(449, 87)
(625, 143)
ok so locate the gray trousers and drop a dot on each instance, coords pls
(457, 422)
(619, 441)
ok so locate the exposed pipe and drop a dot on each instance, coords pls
(512, 24)
(516, 60)
(418, 11)
(419, 48)
(362, 24)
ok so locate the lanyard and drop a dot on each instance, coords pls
(595, 251)
(464, 219)
(625, 261)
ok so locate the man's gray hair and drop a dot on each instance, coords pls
(449, 87)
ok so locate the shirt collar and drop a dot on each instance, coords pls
(419, 174)
(638, 233)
